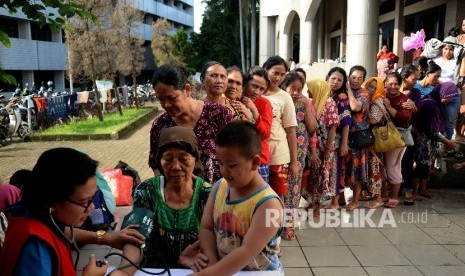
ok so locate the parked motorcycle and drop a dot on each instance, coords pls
(15, 120)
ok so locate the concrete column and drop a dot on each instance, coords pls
(28, 77)
(399, 32)
(284, 45)
(306, 34)
(59, 80)
(362, 34)
(314, 42)
(264, 50)
(321, 34)
(24, 29)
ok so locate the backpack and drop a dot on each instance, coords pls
(100, 218)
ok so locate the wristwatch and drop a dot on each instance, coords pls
(100, 234)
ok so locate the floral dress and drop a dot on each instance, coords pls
(338, 175)
(356, 161)
(376, 168)
(292, 197)
(320, 184)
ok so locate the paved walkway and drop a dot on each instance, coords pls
(427, 239)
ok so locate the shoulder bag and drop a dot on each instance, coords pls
(387, 137)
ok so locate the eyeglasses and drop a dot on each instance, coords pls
(83, 205)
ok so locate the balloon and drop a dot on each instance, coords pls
(414, 41)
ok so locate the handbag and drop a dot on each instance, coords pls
(387, 137)
(407, 135)
(361, 139)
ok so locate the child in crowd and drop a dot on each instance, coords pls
(306, 127)
(241, 222)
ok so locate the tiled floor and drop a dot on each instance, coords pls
(428, 239)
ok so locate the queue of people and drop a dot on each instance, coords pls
(253, 143)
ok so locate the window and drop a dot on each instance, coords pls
(9, 26)
(387, 6)
(42, 34)
(410, 2)
(387, 34)
(335, 47)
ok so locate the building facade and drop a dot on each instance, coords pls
(326, 33)
(39, 55)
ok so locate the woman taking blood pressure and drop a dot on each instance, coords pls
(60, 194)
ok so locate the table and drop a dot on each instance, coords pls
(185, 272)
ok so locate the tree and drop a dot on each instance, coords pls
(37, 10)
(223, 37)
(183, 49)
(87, 45)
(162, 44)
(219, 34)
(130, 55)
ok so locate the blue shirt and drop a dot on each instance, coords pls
(35, 259)
(424, 90)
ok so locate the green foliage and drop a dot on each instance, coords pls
(219, 34)
(183, 48)
(113, 122)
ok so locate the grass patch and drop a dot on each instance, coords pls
(111, 123)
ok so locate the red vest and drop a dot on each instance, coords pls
(20, 229)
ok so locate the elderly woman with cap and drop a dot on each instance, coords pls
(431, 125)
(176, 199)
(204, 118)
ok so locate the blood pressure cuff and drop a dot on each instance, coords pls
(143, 217)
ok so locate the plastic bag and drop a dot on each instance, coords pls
(120, 185)
(130, 171)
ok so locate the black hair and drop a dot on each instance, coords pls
(394, 75)
(20, 178)
(205, 68)
(407, 70)
(343, 88)
(55, 177)
(301, 70)
(170, 74)
(256, 71)
(358, 68)
(433, 67)
(291, 77)
(421, 61)
(234, 68)
(248, 142)
(454, 32)
(273, 61)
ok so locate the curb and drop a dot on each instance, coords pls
(104, 136)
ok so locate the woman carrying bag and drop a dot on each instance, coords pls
(400, 116)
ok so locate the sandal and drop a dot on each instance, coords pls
(288, 235)
(409, 201)
(392, 203)
(351, 207)
(373, 204)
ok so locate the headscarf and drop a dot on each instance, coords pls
(379, 91)
(431, 117)
(180, 138)
(320, 90)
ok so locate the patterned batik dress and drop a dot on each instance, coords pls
(292, 197)
(320, 185)
(357, 165)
